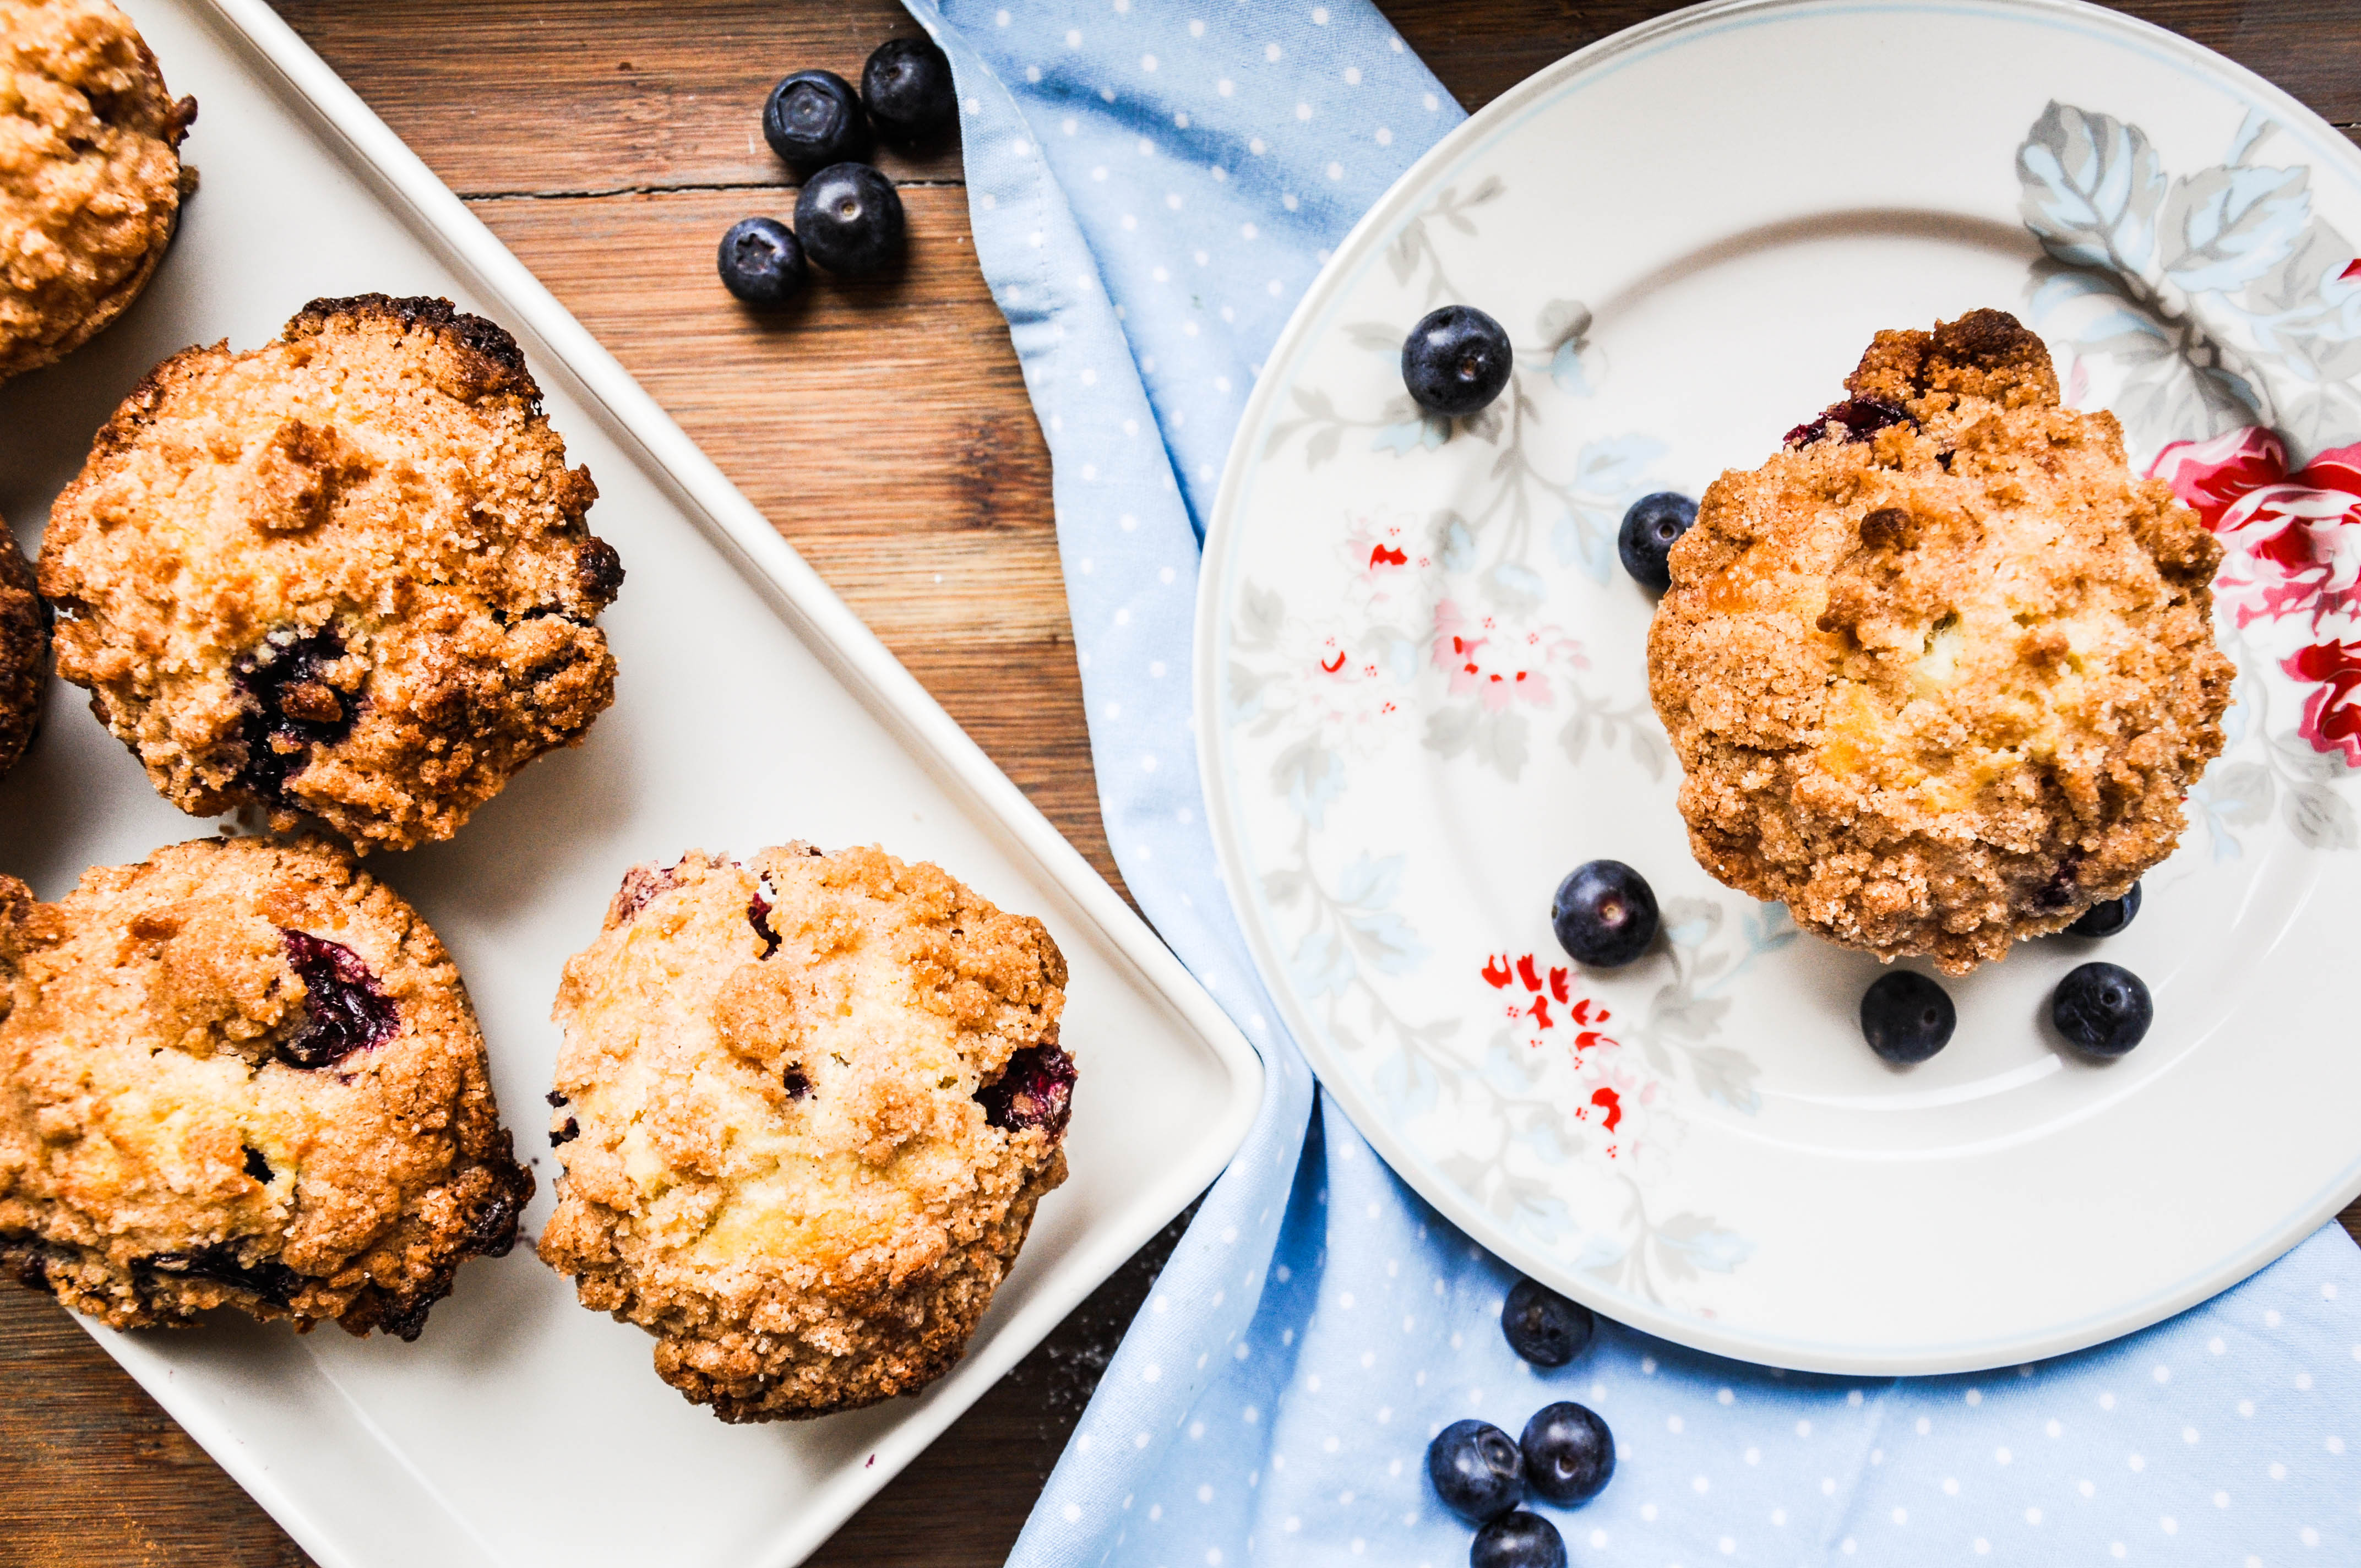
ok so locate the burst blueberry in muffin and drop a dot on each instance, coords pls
(1939, 672)
(243, 1074)
(343, 577)
(805, 1108)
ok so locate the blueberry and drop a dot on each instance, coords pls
(345, 1009)
(762, 262)
(1455, 360)
(1036, 1090)
(2106, 920)
(1544, 1326)
(1477, 1470)
(1605, 913)
(1856, 418)
(813, 119)
(851, 220)
(282, 684)
(1569, 1453)
(908, 86)
(1518, 1540)
(1650, 529)
(2103, 1009)
(1906, 1018)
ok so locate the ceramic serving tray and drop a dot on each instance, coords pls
(753, 709)
(1422, 681)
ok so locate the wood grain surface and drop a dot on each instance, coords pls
(885, 431)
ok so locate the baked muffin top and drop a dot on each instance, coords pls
(805, 1108)
(1939, 671)
(345, 575)
(242, 1073)
(90, 173)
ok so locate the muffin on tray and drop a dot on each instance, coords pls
(345, 575)
(805, 1108)
(23, 650)
(91, 179)
(241, 1074)
(1939, 672)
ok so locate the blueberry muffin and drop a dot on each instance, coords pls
(343, 576)
(245, 1074)
(91, 179)
(23, 650)
(1940, 670)
(805, 1108)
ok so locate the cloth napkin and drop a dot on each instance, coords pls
(1153, 183)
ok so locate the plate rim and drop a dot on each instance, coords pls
(1215, 759)
(288, 69)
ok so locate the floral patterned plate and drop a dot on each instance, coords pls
(1423, 695)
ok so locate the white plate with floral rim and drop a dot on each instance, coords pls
(1423, 694)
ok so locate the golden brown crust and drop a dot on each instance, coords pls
(23, 651)
(1941, 687)
(804, 1170)
(247, 1074)
(91, 179)
(346, 574)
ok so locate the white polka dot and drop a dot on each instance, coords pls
(1671, 1423)
(1385, 137)
(2303, 1381)
(2189, 1434)
(1000, 19)
(1089, 378)
(1258, 147)
(1150, 1373)
(2002, 1456)
(2246, 1407)
(1303, 111)
(1074, 1513)
(2137, 1461)
(2106, 1401)
(2170, 1525)
(2221, 1499)
(2054, 1428)
(1951, 1486)
(1647, 1363)
(1225, 87)
(1320, 15)
(1925, 1426)
(2087, 1488)
(1802, 1428)
(1983, 1547)
(2162, 1374)
(1599, 1540)
(1648, 1512)
(1032, 73)
(1352, 76)
(2335, 1445)
(1147, 63)
(1073, 38)
(2033, 1516)
(2309, 1536)
(1140, 1440)
(1975, 1395)
(1271, 53)
(2215, 1346)
(1727, 1544)
(1853, 1398)
(2271, 1319)
(1827, 1485)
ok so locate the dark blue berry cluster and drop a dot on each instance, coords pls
(1564, 1456)
(849, 217)
(2102, 1010)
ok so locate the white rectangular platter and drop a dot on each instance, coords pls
(753, 709)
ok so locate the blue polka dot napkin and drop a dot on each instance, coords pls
(1153, 184)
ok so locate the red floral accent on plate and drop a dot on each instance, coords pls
(2292, 545)
(1582, 1014)
(2331, 714)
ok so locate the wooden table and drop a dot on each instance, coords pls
(885, 431)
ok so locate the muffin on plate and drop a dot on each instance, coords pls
(246, 1074)
(90, 180)
(23, 650)
(805, 1108)
(1939, 672)
(342, 576)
